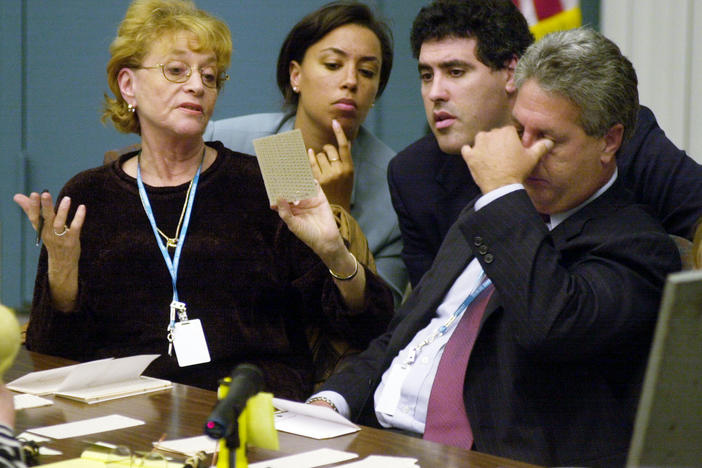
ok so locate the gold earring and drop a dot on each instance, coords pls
(131, 108)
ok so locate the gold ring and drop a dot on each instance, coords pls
(62, 233)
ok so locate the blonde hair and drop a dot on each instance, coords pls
(145, 22)
(697, 245)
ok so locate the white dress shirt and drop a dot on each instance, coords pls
(402, 397)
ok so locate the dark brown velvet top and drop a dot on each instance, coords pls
(251, 282)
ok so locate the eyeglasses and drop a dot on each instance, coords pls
(121, 456)
(176, 71)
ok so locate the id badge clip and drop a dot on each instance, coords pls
(188, 338)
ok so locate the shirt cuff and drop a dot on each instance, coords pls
(338, 401)
(495, 194)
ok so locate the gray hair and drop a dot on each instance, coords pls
(588, 69)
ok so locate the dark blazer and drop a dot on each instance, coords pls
(555, 373)
(429, 188)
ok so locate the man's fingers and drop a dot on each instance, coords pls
(540, 148)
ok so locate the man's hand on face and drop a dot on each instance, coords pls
(497, 158)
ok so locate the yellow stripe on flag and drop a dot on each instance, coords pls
(568, 19)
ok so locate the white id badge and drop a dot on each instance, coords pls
(190, 344)
(392, 389)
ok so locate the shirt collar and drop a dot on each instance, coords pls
(558, 218)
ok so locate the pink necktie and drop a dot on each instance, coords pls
(447, 421)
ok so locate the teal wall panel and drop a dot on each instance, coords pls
(52, 66)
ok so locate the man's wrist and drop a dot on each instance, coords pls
(335, 400)
(493, 195)
(323, 400)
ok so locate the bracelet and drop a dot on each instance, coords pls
(351, 276)
(323, 399)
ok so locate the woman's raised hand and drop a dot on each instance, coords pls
(333, 168)
(313, 222)
(62, 242)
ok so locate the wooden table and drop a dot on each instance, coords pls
(182, 411)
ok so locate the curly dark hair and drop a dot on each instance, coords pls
(500, 29)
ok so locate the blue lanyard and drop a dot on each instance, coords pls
(461, 308)
(440, 331)
(171, 264)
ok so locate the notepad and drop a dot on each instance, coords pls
(317, 422)
(94, 381)
(285, 167)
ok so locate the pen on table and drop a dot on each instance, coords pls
(40, 226)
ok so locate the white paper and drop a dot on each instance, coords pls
(32, 437)
(44, 382)
(323, 456)
(49, 451)
(189, 445)
(382, 461)
(94, 373)
(317, 422)
(93, 381)
(86, 426)
(26, 400)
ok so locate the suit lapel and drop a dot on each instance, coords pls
(452, 259)
(457, 189)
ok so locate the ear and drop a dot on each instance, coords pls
(611, 143)
(510, 67)
(295, 72)
(125, 80)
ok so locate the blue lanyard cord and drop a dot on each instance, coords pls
(171, 264)
(440, 331)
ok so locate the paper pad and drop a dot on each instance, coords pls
(285, 166)
(312, 421)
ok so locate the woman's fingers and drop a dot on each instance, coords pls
(30, 206)
(344, 152)
(314, 164)
(59, 222)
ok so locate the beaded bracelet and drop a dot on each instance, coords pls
(351, 276)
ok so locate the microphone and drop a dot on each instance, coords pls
(247, 381)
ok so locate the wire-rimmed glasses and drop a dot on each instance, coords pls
(177, 71)
(121, 456)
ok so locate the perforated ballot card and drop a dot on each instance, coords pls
(285, 166)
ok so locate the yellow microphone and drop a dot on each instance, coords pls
(9, 338)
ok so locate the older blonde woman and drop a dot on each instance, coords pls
(181, 231)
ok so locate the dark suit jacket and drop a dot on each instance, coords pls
(555, 373)
(429, 188)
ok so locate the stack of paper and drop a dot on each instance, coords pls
(317, 422)
(94, 381)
